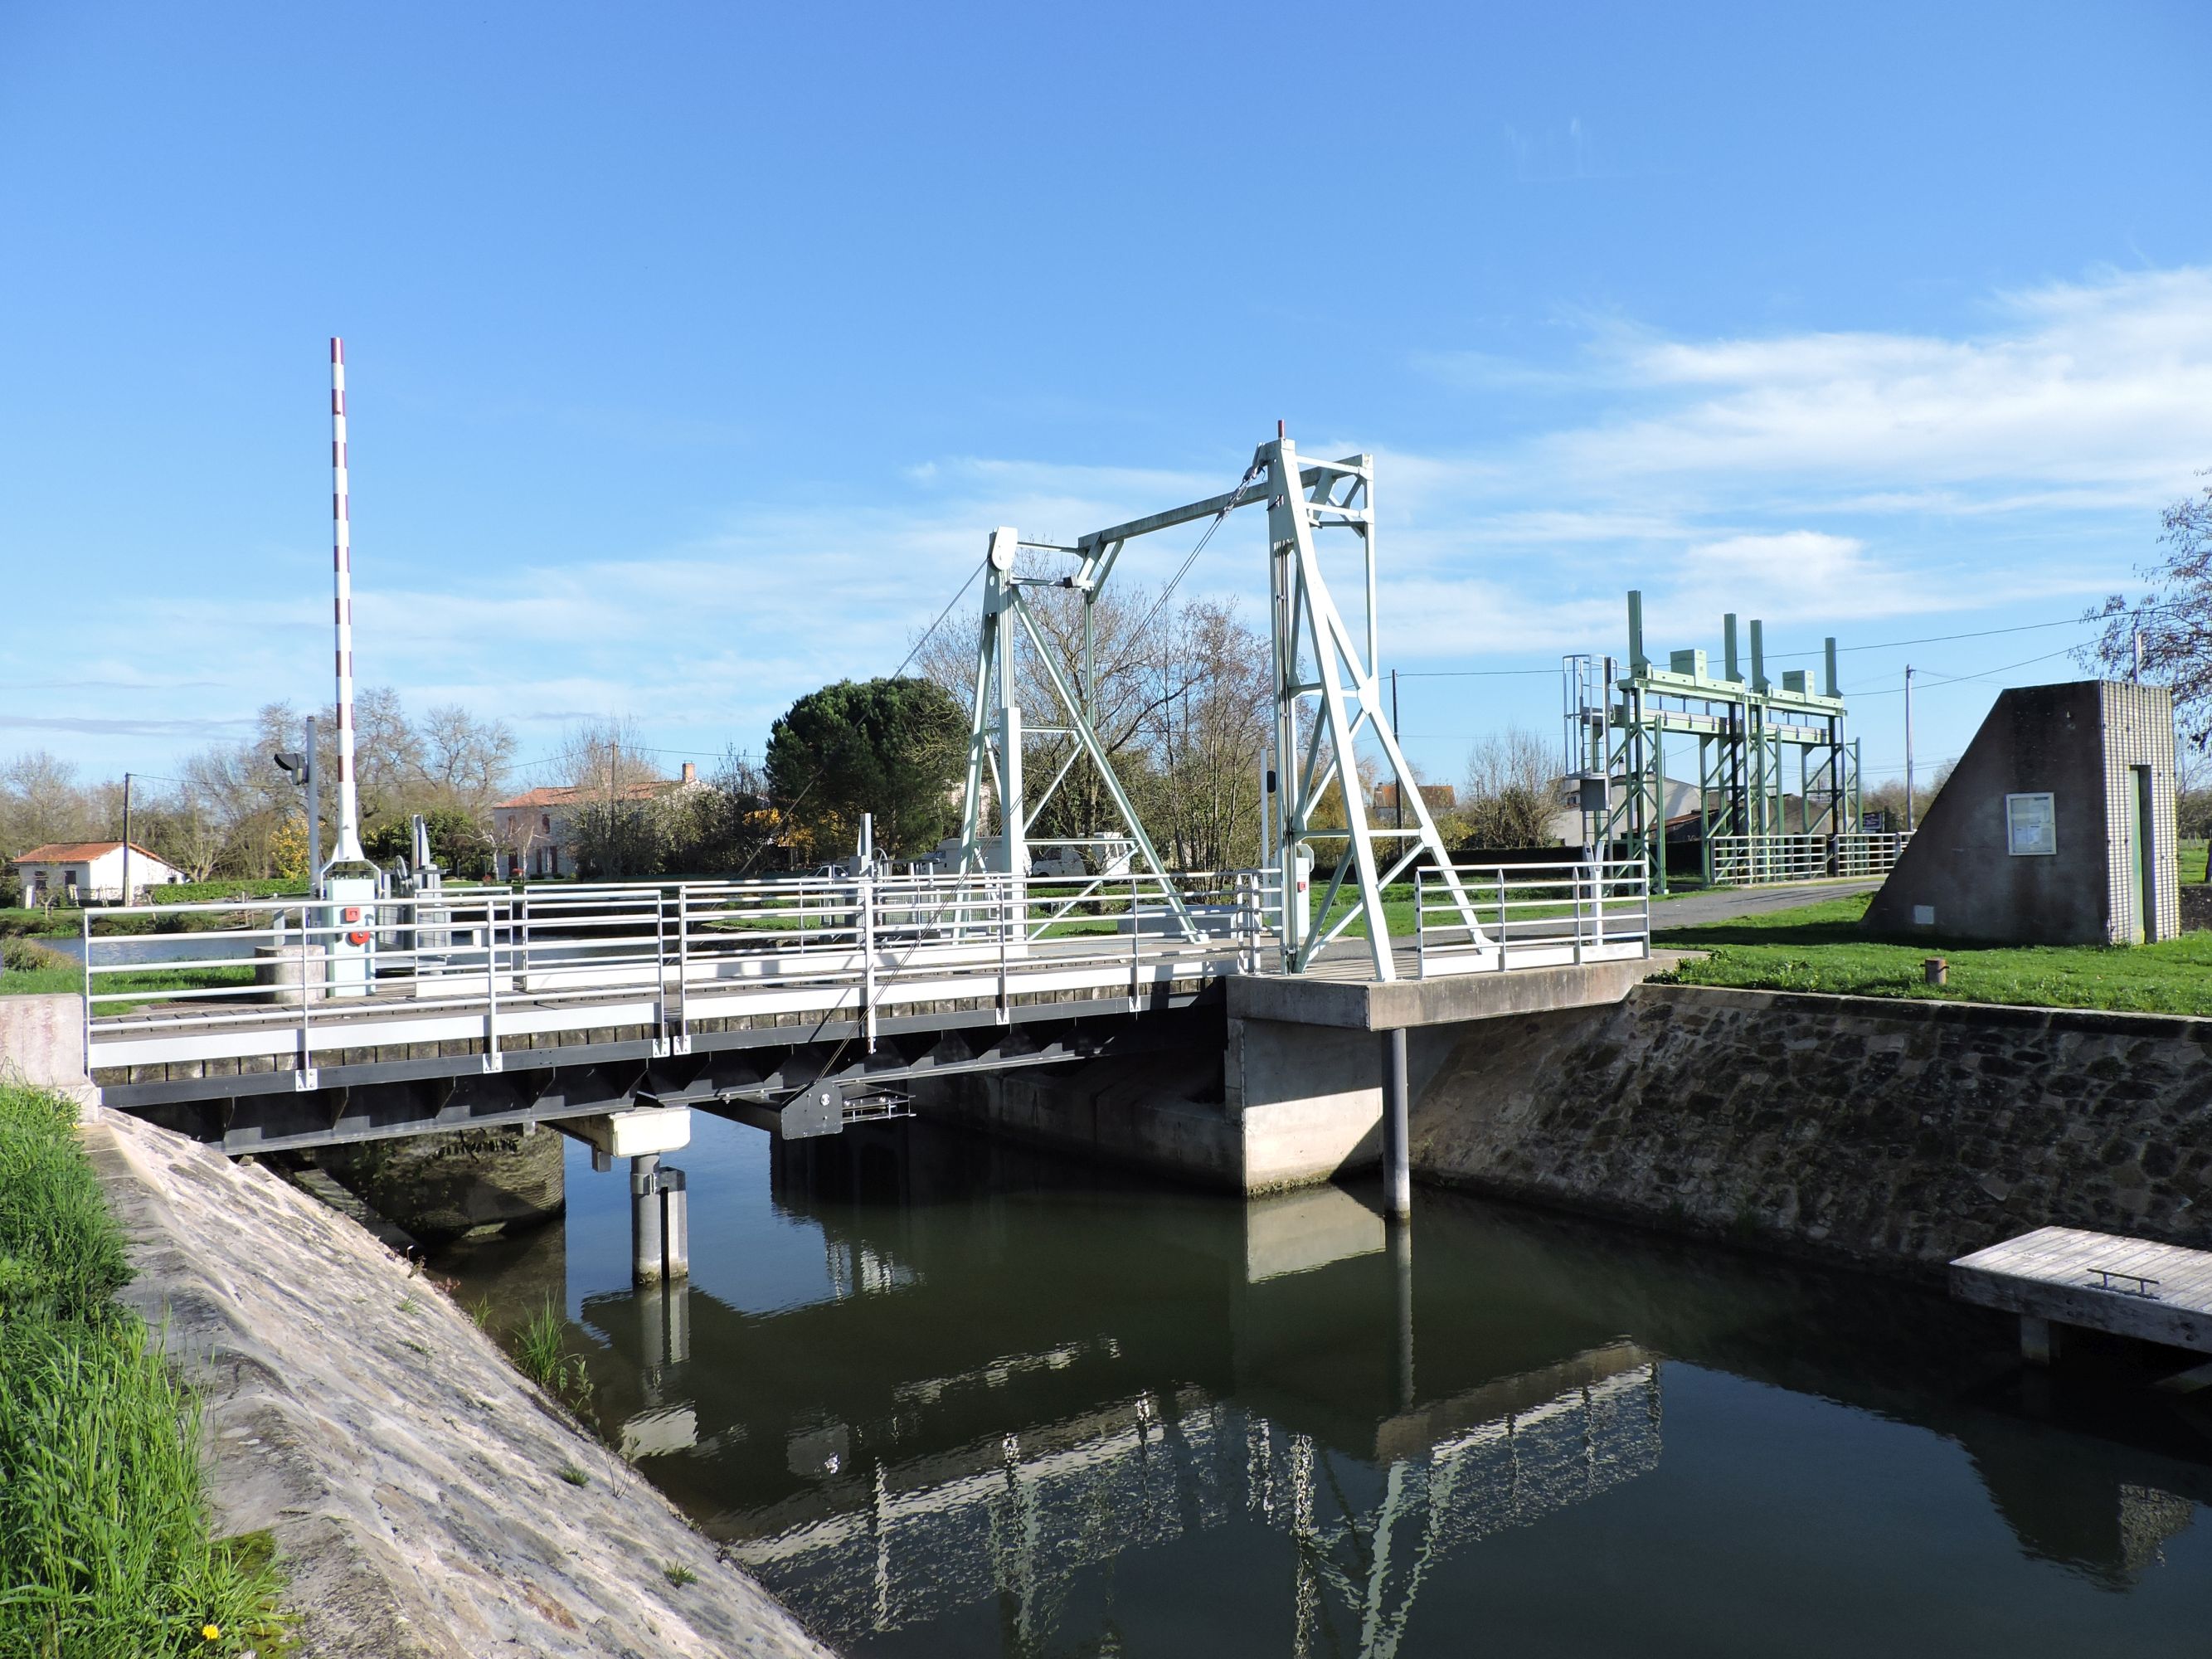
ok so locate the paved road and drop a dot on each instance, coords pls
(1727, 904)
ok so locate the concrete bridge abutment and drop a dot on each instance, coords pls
(468, 1184)
(1298, 1091)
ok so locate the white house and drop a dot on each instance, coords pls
(535, 831)
(88, 873)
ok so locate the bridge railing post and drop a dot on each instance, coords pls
(304, 1070)
(1420, 924)
(1001, 906)
(1580, 877)
(864, 908)
(661, 965)
(1136, 940)
(491, 977)
(683, 960)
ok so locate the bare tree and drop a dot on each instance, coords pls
(1512, 780)
(2173, 623)
(616, 823)
(41, 801)
(1211, 732)
(465, 759)
(1171, 690)
(1889, 797)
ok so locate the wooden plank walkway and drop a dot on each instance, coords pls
(2066, 1276)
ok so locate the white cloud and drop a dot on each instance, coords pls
(2106, 384)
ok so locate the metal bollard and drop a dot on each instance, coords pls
(1938, 970)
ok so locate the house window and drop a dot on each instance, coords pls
(545, 821)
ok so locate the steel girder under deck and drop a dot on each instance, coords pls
(723, 1071)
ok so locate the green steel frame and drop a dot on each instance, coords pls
(1747, 729)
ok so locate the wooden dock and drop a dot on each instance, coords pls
(2058, 1276)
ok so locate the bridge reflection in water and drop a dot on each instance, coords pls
(877, 1496)
(1021, 1519)
(943, 1397)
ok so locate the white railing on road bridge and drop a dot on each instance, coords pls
(284, 983)
(1475, 918)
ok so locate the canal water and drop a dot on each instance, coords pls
(944, 1398)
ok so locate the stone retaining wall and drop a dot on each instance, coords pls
(1895, 1134)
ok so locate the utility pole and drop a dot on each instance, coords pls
(1908, 746)
(2135, 639)
(126, 838)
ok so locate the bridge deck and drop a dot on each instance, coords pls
(426, 1014)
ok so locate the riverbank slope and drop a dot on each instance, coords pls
(413, 1480)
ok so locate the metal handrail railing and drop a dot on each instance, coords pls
(1530, 915)
(492, 954)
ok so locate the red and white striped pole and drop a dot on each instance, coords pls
(348, 849)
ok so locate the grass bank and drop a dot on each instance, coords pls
(107, 1545)
(28, 968)
(1818, 947)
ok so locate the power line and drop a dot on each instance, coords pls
(1983, 634)
(1983, 674)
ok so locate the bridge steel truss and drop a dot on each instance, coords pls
(1327, 693)
(1746, 730)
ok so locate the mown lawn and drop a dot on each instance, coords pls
(106, 1543)
(1818, 947)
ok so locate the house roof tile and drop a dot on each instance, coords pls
(77, 851)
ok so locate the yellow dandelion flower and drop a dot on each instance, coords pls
(211, 1632)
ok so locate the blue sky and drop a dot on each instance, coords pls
(693, 350)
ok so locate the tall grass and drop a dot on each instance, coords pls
(106, 1545)
(541, 1353)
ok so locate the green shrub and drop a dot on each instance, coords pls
(214, 892)
(20, 956)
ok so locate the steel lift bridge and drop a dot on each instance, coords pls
(1327, 695)
(795, 1002)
